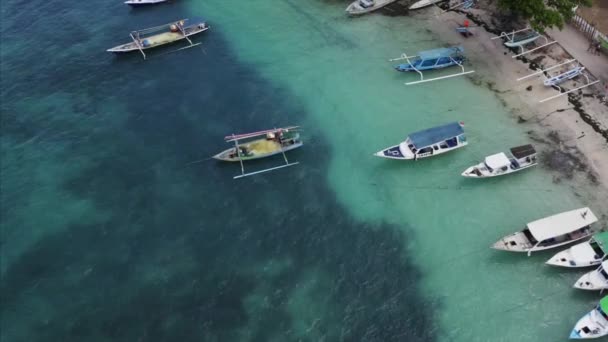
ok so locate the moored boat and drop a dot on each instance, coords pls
(360, 7)
(136, 3)
(273, 142)
(522, 38)
(594, 324)
(427, 143)
(522, 157)
(585, 254)
(423, 3)
(550, 232)
(563, 77)
(595, 280)
(432, 59)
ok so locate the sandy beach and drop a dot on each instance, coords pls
(570, 131)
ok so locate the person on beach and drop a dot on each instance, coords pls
(591, 47)
(598, 48)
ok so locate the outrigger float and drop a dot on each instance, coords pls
(161, 35)
(274, 141)
(433, 60)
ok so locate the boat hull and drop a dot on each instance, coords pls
(229, 155)
(517, 242)
(423, 4)
(470, 172)
(577, 256)
(590, 326)
(522, 42)
(136, 3)
(355, 9)
(159, 40)
(592, 281)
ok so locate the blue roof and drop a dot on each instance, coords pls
(434, 135)
(438, 53)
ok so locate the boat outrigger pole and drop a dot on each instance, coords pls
(136, 40)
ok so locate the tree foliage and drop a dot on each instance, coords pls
(544, 13)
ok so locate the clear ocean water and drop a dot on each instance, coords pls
(115, 227)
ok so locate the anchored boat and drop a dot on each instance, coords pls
(264, 144)
(162, 35)
(594, 324)
(427, 143)
(423, 3)
(522, 157)
(585, 254)
(550, 232)
(360, 7)
(433, 60)
(136, 3)
(595, 280)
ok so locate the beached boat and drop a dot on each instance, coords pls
(595, 280)
(522, 157)
(162, 35)
(550, 232)
(361, 7)
(136, 3)
(594, 324)
(521, 39)
(427, 143)
(563, 77)
(432, 59)
(264, 144)
(585, 254)
(423, 3)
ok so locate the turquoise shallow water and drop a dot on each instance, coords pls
(109, 232)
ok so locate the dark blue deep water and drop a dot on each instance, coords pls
(110, 232)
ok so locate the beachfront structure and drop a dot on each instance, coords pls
(360, 7)
(433, 60)
(522, 157)
(272, 142)
(595, 280)
(550, 232)
(427, 143)
(585, 254)
(161, 35)
(594, 324)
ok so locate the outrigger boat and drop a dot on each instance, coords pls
(136, 3)
(585, 254)
(516, 40)
(550, 232)
(274, 141)
(427, 143)
(433, 60)
(423, 3)
(563, 77)
(595, 280)
(161, 35)
(594, 324)
(360, 7)
(522, 157)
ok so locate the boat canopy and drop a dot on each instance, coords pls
(602, 241)
(523, 151)
(604, 304)
(434, 135)
(561, 224)
(497, 161)
(438, 53)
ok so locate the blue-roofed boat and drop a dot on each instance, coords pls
(433, 59)
(427, 143)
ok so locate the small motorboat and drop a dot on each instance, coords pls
(550, 232)
(595, 280)
(594, 324)
(360, 7)
(427, 143)
(423, 3)
(136, 3)
(522, 157)
(585, 254)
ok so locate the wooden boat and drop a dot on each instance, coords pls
(585, 254)
(596, 280)
(162, 35)
(550, 232)
(423, 3)
(522, 39)
(522, 157)
(136, 3)
(264, 144)
(433, 60)
(594, 324)
(427, 143)
(563, 77)
(360, 7)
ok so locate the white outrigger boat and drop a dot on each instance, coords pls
(550, 232)
(427, 143)
(594, 324)
(268, 143)
(423, 3)
(595, 280)
(360, 7)
(161, 35)
(522, 157)
(136, 3)
(585, 254)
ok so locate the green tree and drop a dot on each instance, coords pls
(544, 13)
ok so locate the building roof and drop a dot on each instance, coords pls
(443, 52)
(435, 135)
(497, 161)
(561, 224)
(523, 151)
(602, 240)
